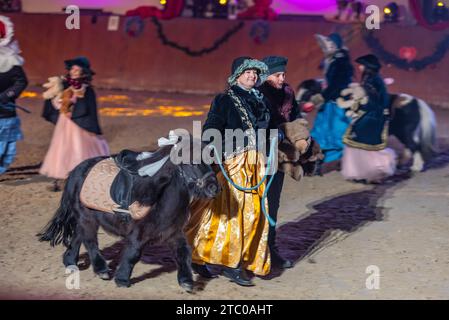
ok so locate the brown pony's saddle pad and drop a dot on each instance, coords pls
(95, 192)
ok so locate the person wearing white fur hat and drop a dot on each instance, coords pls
(12, 82)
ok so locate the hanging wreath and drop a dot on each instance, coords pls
(407, 61)
(260, 31)
(134, 26)
(194, 53)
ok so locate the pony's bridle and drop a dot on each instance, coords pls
(199, 182)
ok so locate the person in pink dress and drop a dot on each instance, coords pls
(71, 105)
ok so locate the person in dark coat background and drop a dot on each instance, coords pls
(366, 156)
(283, 108)
(12, 82)
(331, 122)
(71, 105)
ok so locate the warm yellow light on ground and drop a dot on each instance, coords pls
(158, 101)
(440, 4)
(113, 98)
(163, 111)
(28, 94)
(223, 2)
(163, 2)
(387, 10)
(128, 106)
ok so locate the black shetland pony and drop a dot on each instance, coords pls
(412, 122)
(169, 192)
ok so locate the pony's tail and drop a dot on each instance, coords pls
(62, 226)
(426, 133)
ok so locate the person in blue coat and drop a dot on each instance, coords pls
(331, 122)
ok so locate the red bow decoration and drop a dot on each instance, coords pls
(408, 53)
(172, 9)
(260, 10)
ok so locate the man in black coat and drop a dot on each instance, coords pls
(283, 108)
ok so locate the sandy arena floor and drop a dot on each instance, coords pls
(333, 229)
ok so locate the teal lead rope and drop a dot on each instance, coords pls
(264, 195)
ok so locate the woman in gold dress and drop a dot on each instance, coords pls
(231, 230)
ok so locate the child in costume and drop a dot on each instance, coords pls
(71, 105)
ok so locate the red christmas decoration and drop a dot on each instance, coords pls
(408, 53)
(172, 9)
(260, 10)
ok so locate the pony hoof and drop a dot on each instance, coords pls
(187, 286)
(104, 275)
(122, 283)
(418, 163)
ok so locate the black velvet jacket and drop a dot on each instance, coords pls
(12, 83)
(224, 113)
(338, 75)
(370, 130)
(84, 112)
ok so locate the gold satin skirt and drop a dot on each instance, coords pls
(231, 229)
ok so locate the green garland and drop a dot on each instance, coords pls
(187, 50)
(390, 58)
